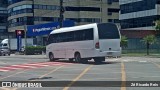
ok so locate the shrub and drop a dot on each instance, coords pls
(32, 50)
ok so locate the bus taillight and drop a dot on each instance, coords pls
(97, 45)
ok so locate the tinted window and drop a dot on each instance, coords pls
(96, 9)
(80, 35)
(86, 34)
(55, 38)
(69, 36)
(108, 31)
(4, 44)
(89, 34)
(50, 39)
(62, 37)
(138, 6)
(139, 22)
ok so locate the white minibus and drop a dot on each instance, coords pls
(84, 42)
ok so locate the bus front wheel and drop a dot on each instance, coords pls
(51, 57)
(70, 59)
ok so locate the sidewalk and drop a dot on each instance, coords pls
(141, 55)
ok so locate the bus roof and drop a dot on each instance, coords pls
(67, 29)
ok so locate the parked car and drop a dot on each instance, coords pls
(4, 51)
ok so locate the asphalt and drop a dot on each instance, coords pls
(126, 70)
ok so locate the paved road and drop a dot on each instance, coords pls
(66, 75)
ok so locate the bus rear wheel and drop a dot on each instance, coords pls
(77, 57)
(84, 61)
(99, 59)
(51, 57)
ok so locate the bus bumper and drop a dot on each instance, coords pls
(108, 54)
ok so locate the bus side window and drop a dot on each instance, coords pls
(62, 37)
(50, 39)
(89, 34)
(55, 38)
(69, 36)
(79, 35)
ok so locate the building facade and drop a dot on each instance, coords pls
(3, 19)
(138, 17)
(32, 12)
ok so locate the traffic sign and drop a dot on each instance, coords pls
(19, 33)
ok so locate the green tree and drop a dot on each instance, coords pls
(157, 27)
(124, 41)
(149, 40)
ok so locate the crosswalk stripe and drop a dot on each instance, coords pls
(25, 67)
(3, 70)
(14, 67)
(31, 66)
(10, 68)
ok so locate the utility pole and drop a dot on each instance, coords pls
(61, 13)
(25, 37)
(101, 11)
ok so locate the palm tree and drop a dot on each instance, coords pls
(149, 40)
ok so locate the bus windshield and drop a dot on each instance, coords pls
(108, 31)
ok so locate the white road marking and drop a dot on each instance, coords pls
(2, 63)
(142, 61)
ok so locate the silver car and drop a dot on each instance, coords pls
(4, 51)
